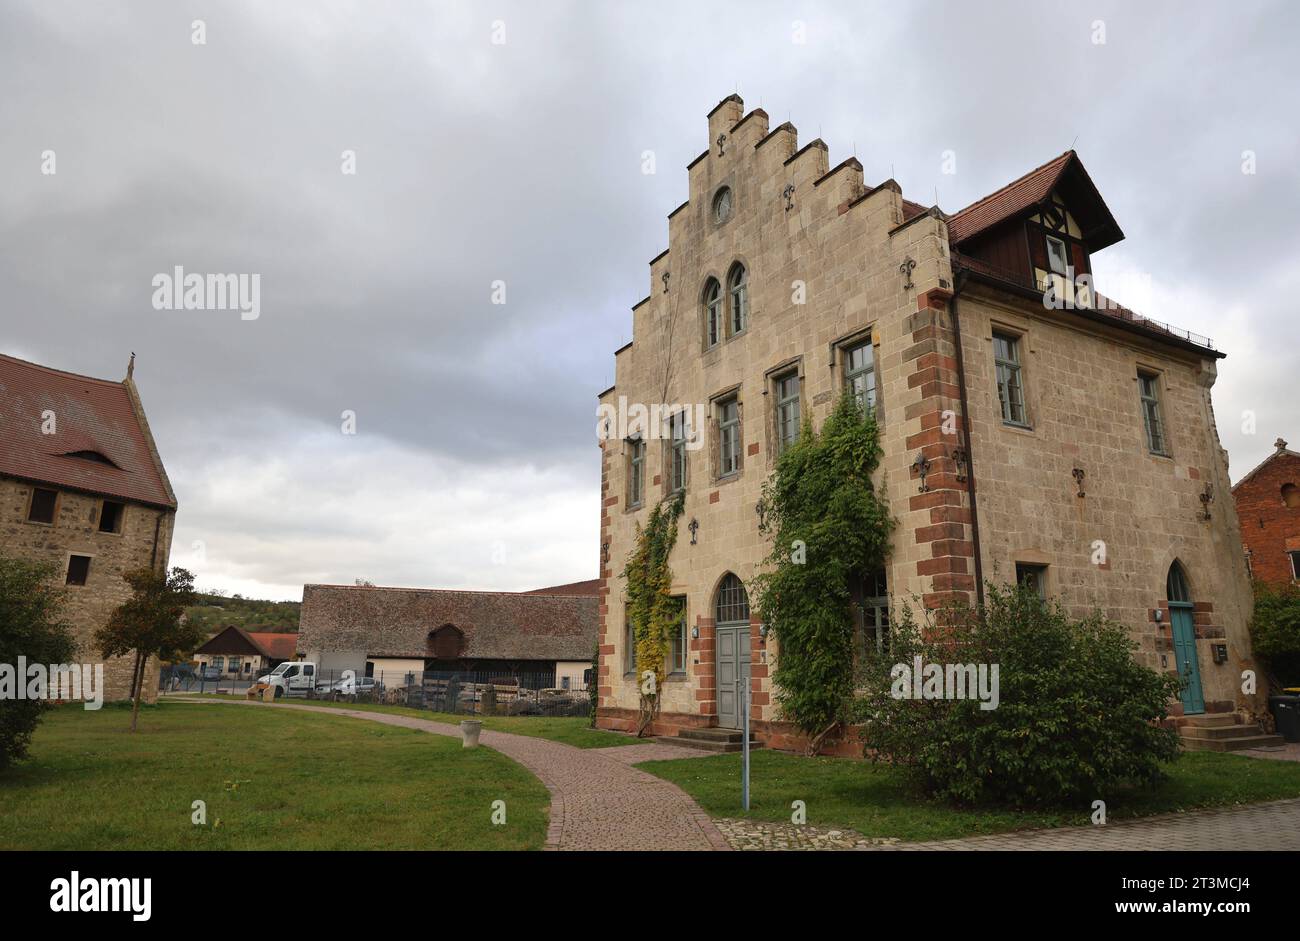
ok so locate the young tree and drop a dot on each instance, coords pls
(830, 528)
(1275, 631)
(150, 624)
(31, 627)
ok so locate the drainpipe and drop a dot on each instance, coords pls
(959, 282)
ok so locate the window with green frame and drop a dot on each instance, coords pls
(738, 288)
(728, 436)
(1149, 393)
(635, 471)
(677, 442)
(875, 613)
(1011, 391)
(677, 649)
(787, 411)
(860, 375)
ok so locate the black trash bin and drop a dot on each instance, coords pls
(1286, 716)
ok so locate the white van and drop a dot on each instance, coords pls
(291, 678)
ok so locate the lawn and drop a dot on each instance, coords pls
(875, 800)
(271, 779)
(575, 731)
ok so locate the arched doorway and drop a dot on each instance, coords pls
(1182, 626)
(731, 646)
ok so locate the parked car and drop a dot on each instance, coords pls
(291, 678)
(363, 685)
(208, 674)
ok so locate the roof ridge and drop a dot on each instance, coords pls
(458, 591)
(1023, 176)
(59, 372)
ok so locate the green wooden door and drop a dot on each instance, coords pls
(1189, 669)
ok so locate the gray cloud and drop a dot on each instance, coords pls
(522, 163)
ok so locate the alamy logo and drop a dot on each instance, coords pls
(75, 894)
(58, 681)
(181, 291)
(946, 681)
(675, 422)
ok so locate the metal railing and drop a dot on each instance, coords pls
(461, 692)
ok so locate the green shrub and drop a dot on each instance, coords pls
(31, 627)
(1076, 714)
(829, 527)
(1275, 631)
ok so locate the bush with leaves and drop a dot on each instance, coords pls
(1275, 630)
(31, 626)
(829, 528)
(1077, 715)
(653, 612)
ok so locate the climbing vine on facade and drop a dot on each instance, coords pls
(829, 528)
(652, 612)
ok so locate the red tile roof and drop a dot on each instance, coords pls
(277, 646)
(1015, 197)
(94, 415)
(497, 625)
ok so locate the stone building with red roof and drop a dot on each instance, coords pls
(82, 487)
(1032, 429)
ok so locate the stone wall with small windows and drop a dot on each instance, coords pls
(144, 536)
(1079, 490)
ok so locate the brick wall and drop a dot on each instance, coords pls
(1270, 528)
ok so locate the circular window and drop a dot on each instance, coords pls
(722, 205)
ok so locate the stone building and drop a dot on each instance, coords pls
(82, 487)
(1268, 503)
(1031, 428)
(546, 636)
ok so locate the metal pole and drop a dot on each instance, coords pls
(744, 751)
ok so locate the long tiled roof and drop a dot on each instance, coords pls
(498, 625)
(91, 416)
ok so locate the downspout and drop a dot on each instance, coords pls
(959, 282)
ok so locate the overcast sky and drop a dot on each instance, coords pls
(474, 464)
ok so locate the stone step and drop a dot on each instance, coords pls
(705, 744)
(1195, 743)
(1218, 720)
(1222, 731)
(713, 735)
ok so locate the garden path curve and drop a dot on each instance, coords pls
(598, 800)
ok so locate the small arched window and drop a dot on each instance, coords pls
(733, 602)
(712, 312)
(1176, 586)
(445, 643)
(722, 205)
(1291, 496)
(738, 289)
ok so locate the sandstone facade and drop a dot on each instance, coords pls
(831, 263)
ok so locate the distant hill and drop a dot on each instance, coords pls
(217, 612)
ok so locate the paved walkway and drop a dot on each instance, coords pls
(598, 801)
(1272, 826)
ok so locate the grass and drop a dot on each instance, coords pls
(575, 731)
(271, 779)
(876, 801)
